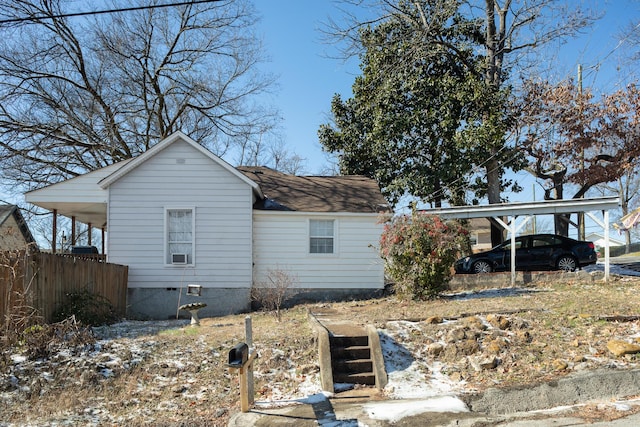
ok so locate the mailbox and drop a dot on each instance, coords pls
(238, 355)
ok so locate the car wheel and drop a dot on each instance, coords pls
(481, 267)
(567, 263)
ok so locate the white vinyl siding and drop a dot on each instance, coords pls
(321, 236)
(281, 241)
(180, 233)
(182, 177)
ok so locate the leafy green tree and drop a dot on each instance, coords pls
(507, 34)
(419, 250)
(401, 126)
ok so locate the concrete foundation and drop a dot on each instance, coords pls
(303, 296)
(163, 303)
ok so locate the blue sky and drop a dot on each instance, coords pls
(309, 79)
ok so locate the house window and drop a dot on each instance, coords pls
(321, 236)
(179, 236)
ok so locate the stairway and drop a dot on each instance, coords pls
(351, 360)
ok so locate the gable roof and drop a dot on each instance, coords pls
(136, 161)
(7, 211)
(285, 192)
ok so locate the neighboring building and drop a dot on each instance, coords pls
(14, 231)
(479, 234)
(179, 215)
(598, 240)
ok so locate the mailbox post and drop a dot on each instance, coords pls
(241, 360)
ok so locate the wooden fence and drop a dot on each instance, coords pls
(42, 280)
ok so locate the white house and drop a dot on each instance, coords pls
(179, 215)
(599, 241)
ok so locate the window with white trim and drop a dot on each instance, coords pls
(179, 236)
(321, 236)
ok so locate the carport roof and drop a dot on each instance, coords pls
(528, 208)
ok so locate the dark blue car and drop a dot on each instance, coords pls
(533, 252)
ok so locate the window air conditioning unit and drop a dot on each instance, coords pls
(179, 259)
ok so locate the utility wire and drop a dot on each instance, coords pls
(102, 12)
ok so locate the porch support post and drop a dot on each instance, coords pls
(102, 239)
(89, 234)
(54, 231)
(73, 231)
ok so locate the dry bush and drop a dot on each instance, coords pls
(274, 291)
(19, 313)
(41, 341)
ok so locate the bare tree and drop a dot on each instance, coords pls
(573, 139)
(627, 188)
(272, 293)
(285, 161)
(80, 93)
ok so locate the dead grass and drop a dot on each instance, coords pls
(178, 376)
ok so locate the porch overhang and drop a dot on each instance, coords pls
(85, 212)
(81, 197)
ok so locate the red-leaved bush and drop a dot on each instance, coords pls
(419, 251)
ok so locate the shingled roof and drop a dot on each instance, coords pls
(282, 191)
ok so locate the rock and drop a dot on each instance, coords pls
(559, 365)
(179, 389)
(498, 321)
(473, 322)
(467, 347)
(482, 363)
(435, 349)
(518, 323)
(433, 320)
(457, 334)
(496, 346)
(524, 336)
(619, 347)
(456, 376)
(309, 369)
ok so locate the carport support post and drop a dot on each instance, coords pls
(605, 228)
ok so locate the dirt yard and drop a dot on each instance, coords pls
(171, 374)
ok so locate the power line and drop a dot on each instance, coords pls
(102, 12)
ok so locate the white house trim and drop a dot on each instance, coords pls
(134, 163)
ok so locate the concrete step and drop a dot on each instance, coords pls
(353, 352)
(362, 378)
(354, 366)
(348, 341)
(351, 359)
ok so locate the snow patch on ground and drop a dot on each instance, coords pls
(409, 378)
(395, 410)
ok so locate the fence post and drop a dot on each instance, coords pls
(248, 331)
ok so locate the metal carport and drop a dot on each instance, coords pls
(526, 210)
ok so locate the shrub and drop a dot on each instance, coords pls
(273, 292)
(87, 308)
(419, 251)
